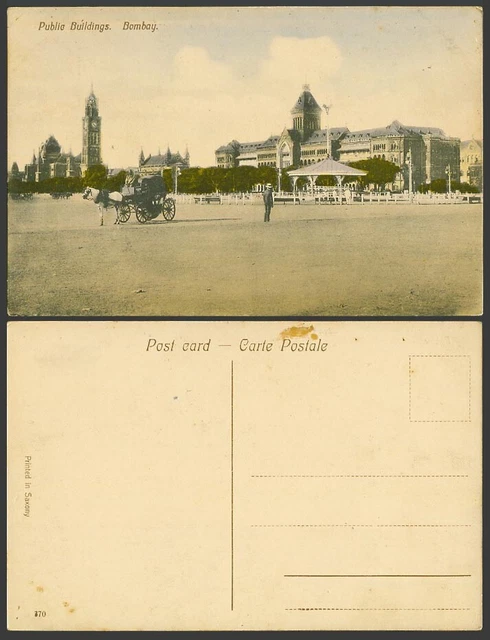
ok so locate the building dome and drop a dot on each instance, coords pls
(50, 148)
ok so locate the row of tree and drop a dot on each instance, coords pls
(233, 180)
(201, 180)
(239, 179)
(95, 176)
(441, 186)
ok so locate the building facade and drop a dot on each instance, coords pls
(305, 142)
(153, 165)
(472, 162)
(51, 162)
(430, 150)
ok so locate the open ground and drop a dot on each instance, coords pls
(222, 260)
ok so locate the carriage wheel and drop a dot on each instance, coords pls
(124, 212)
(169, 209)
(141, 215)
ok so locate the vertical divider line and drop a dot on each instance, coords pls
(232, 487)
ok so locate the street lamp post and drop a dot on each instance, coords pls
(448, 173)
(177, 173)
(408, 162)
(329, 149)
(278, 169)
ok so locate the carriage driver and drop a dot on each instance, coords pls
(132, 179)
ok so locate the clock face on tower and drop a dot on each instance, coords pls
(94, 126)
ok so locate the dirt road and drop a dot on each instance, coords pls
(222, 260)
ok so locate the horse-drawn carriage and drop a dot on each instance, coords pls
(146, 196)
(61, 195)
(21, 196)
(148, 199)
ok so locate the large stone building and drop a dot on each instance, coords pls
(431, 151)
(305, 142)
(51, 162)
(472, 162)
(161, 161)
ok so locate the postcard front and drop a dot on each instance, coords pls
(256, 161)
(211, 476)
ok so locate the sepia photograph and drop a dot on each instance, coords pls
(245, 161)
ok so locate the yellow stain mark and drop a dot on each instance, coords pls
(66, 604)
(314, 336)
(40, 589)
(297, 332)
(71, 610)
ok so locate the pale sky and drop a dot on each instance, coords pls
(206, 76)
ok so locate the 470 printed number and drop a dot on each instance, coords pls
(39, 614)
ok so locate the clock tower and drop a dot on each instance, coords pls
(91, 134)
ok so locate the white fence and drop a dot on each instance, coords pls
(218, 198)
(331, 197)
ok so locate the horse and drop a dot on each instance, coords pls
(104, 200)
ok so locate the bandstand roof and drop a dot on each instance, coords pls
(327, 167)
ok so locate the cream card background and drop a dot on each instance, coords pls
(230, 489)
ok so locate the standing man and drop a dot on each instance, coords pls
(268, 201)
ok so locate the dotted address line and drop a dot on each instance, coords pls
(360, 476)
(376, 609)
(361, 525)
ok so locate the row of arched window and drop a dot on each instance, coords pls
(471, 159)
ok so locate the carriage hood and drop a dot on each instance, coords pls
(153, 184)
